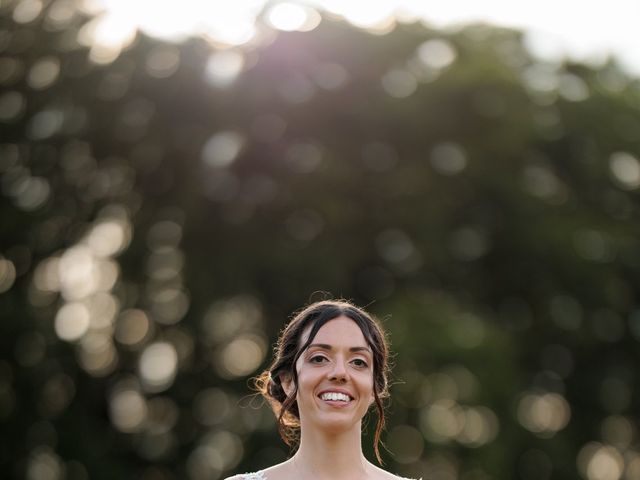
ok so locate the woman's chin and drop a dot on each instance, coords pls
(335, 426)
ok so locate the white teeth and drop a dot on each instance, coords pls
(335, 396)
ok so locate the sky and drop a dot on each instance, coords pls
(584, 31)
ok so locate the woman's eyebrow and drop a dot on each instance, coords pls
(326, 346)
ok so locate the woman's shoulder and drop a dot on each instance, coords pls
(398, 477)
(248, 476)
(260, 475)
(384, 475)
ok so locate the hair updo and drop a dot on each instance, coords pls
(289, 348)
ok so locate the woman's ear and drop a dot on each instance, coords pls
(287, 383)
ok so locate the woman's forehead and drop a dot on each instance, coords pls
(338, 331)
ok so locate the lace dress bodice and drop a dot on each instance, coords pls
(261, 476)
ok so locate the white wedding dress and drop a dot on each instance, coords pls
(260, 476)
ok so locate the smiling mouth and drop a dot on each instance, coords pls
(335, 397)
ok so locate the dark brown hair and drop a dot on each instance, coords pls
(290, 347)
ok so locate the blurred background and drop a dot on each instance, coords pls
(177, 178)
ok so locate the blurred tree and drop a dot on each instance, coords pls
(164, 210)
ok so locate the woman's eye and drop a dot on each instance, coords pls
(358, 362)
(317, 359)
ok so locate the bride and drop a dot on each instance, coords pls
(330, 367)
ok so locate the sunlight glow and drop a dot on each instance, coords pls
(27, 11)
(162, 19)
(157, 366)
(436, 54)
(222, 148)
(544, 414)
(625, 170)
(7, 274)
(553, 29)
(107, 35)
(223, 67)
(369, 15)
(241, 357)
(399, 83)
(108, 238)
(227, 23)
(72, 321)
(597, 461)
(128, 410)
(287, 16)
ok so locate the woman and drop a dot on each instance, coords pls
(331, 366)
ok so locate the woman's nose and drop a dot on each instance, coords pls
(338, 372)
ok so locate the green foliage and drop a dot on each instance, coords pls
(485, 207)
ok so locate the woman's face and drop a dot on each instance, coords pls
(335, 377)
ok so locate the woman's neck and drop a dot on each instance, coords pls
(325, 456)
